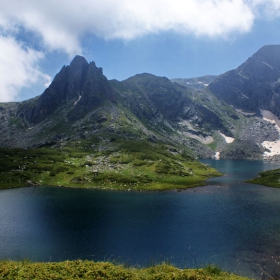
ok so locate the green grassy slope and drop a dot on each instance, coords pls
(104, 163)
(86, 270)
(269, 178)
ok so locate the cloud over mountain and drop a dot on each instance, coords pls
(61, 27)
(18, 68)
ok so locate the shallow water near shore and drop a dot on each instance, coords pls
(228, 223)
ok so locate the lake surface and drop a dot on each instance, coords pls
(229, 223)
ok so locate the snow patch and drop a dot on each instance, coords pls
(227, 138)
(270, 117)
(273, 147)
(217, 155)
(245, 96)
(268, 65)
(77, 100)
(242, 112)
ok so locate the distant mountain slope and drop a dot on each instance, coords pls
(195, 83)
(160, 104)
(254, 85)
(222, 119)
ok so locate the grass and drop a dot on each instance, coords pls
(105, 164)
(87, 270)
(269, 178)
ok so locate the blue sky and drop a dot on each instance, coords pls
(172, 38)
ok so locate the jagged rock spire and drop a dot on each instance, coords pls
(81, 81)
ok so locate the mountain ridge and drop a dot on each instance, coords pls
(145, 132)
(81, 102)
(254, 85)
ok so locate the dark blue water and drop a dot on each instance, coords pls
(229, 223)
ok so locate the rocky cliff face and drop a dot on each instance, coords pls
(222, 118)
(159, 102)
(81, 86)
(254, 85)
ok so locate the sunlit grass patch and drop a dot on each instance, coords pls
(120, 164)
(88, 270)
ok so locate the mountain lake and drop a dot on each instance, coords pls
(228, 223)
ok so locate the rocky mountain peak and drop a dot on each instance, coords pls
(78, 61)
(77, 70)
(254, 85)
(270, 53)
(81, 103)
(264, 64)
(81, 86)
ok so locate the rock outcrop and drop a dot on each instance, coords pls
(81, 86)
(242, 105)
(254, 85)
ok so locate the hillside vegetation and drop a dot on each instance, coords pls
(268, 178)
(103, 163)
(87, 270)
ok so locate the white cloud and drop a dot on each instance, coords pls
(18, 68)
(267, 8)
(60, 25)
(201, 18)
